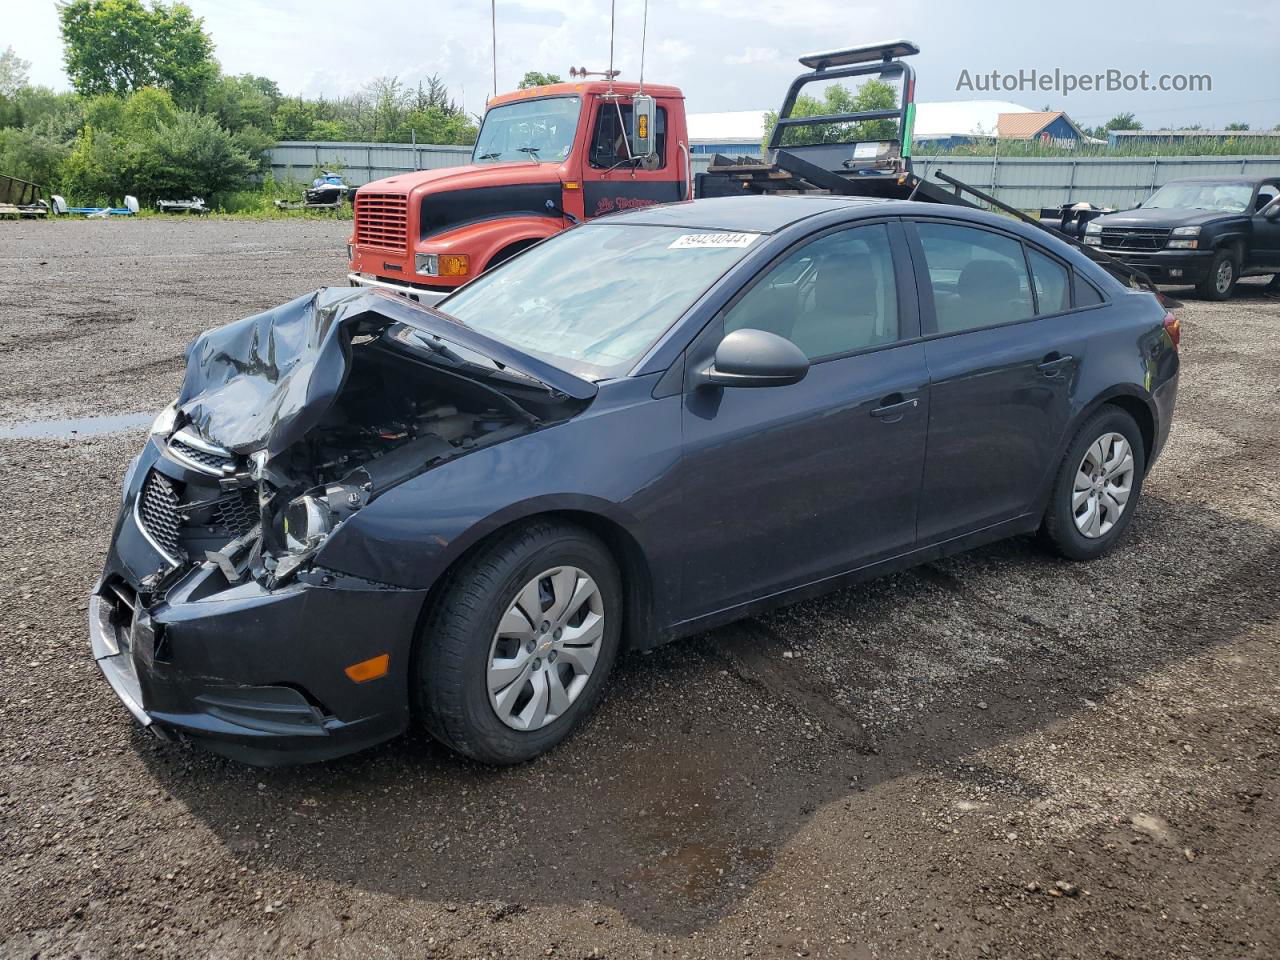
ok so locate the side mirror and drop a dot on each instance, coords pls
(643, 115)
(1272, 210)
(755, 358)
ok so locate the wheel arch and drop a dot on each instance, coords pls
(511, 249)
(633, 567)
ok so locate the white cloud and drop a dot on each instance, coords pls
(753, 55)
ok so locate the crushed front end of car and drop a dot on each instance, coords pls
(215, 618)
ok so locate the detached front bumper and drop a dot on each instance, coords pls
(254, 674)
(1167, 266)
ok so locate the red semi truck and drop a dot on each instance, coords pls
(548, 157)
(544, 159)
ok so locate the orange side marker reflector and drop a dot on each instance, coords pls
(571, 184)
(370, 669)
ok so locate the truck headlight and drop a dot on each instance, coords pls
(165, 420)
(1186, 231)
(1182, 244)
(442, 264)
(1092, 228)
(1092, 241)
(307, 521)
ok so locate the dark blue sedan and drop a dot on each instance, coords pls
(363, 513)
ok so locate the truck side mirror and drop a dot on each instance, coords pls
(644, 111)
(1272, 210)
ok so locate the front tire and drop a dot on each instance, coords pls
(1097, 487)
(516, 651)
(1223, 274)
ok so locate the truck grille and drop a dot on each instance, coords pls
(1134, 238)
(382, 221)
(158, 513)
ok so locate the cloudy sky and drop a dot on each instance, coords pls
(731, 55)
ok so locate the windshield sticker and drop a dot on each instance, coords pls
(697, 241)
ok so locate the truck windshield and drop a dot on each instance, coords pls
(1228, 196)
(538, 130)
(593, 299)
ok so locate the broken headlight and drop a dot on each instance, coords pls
(166, 420)
(306, 522)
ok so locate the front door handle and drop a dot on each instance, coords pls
(1052, 364)
(894, 407)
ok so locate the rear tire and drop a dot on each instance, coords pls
(466, 642)
(1223, 274)
(1081, 521)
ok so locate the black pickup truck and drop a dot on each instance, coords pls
(1208, 231)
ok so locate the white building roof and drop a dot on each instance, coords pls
(933, 120)
(959, 118)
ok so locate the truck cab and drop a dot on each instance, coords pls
(1207, 231)
(545, 158)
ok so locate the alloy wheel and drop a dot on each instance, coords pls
(1102, 486)
(1226, 272)
(545, 648)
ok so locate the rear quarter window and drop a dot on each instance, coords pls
(1087, 294)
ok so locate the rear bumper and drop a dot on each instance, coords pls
(1167, 266)
(1165, 396)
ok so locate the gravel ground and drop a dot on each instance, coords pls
(999, 755)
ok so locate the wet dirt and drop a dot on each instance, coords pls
(996, 755)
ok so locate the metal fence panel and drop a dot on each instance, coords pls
(1025, 182)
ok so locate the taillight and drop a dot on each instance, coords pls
(1173, 327)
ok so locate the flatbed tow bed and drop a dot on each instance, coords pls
(865, 153)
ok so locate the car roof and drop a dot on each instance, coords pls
(773, 214)
(757, 214)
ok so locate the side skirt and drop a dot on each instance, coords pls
(1027, 523)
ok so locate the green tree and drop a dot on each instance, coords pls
(835, 99)
(14, 72)
(294, 119)
(118, 46)
(1237, 126)
(535, 78)
(1121, 121)
(243, 101)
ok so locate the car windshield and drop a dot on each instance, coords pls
(593, 299)
(1228, 196)
(539, 130)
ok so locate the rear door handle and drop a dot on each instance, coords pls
(893, 407)
(1053, 363)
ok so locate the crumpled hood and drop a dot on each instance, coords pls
(263, 382)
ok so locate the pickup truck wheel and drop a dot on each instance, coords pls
(1097, 487)
(517, 649)
(1222, 277)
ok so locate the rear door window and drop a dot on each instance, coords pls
(1052, 281)
(978, 278)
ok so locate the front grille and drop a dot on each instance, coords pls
(216, 462)
(158, 513)
(382, 221)
(236, 513)
(1134, 238)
